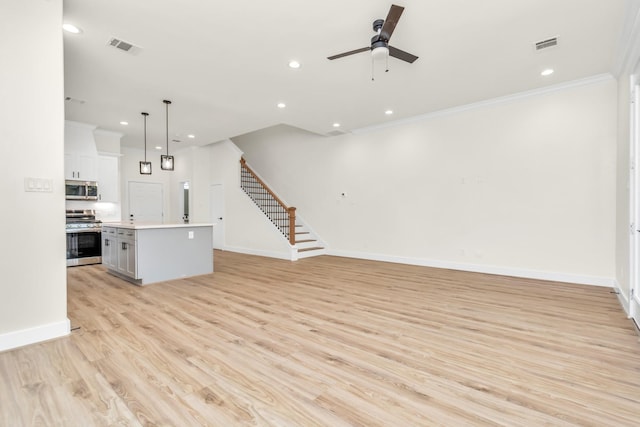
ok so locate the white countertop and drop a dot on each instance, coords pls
(145, 226)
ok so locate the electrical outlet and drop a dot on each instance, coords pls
(191, 235)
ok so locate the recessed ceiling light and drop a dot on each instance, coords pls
(70, 28)
(123, 123)
(294, 64)
(158, 147)
(388, 112)
(191, 136)
(281, 105)
(547, 72)
(336, 125)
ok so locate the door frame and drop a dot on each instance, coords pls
(163, 216)
(219, 228)
(633, 298)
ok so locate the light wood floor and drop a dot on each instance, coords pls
(328, 341)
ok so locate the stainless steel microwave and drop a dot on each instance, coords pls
(80, 190)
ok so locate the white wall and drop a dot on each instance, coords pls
(107, 141)
(628, 65)
(33, 297)
(191, 164)
(130, 172)
(523, 187)
(623, 219)
(247, 229)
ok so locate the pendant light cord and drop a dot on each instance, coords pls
(145, 136)
(167, 123)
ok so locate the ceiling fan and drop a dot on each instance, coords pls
(380, 42)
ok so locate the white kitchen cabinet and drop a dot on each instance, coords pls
(80, 154)
(109, 248)
(151, 253)
(108, 182)
(80, 166)
(127, 264)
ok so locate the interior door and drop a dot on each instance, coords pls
(145, 202)
(183, 200)
(216, 193)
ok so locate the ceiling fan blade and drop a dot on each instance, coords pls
(390, 23)
(401, 54)
(351, 52)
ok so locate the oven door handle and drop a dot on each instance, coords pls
(84, 230)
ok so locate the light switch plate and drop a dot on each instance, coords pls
(38, 185)
(191, 235)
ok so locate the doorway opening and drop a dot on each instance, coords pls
(183, 200)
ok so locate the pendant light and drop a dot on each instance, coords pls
(166, 161)
(145, 167)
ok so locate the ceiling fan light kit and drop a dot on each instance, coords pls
(380, 52)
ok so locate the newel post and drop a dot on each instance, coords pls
(292, 225)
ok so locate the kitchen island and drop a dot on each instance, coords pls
(149, 253)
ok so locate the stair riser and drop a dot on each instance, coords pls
(305, 245)
(309, 254)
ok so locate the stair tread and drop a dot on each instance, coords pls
(306, 241)
(315, 248)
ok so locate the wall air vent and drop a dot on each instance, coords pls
(545, 44)
(123, 45)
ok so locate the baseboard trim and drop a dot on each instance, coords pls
(487, 269)
(34, 335)
(634, 312)
(623, 299)
(268, 254)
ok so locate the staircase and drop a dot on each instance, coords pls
(307, 243)
(303, 241)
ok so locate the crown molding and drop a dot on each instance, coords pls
(489, 102)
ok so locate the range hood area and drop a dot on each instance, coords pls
(92, 169)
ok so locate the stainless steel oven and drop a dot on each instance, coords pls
(84, 238)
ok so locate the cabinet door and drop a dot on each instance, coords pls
(123, 256)
(131, 260)
(69, 166)
(109, 248)
(105, 249)
(127, 253)
(112, 254)
(80, 166)
(87, 167)
(108, 179)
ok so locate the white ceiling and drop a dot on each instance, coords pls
(224, 65)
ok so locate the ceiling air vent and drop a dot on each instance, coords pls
(545, 44)
(123, 45)
(336, 133)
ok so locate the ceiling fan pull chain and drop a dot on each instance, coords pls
(372, 67)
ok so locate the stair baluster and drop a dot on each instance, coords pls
(282, 216)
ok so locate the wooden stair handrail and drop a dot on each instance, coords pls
(290, 209)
